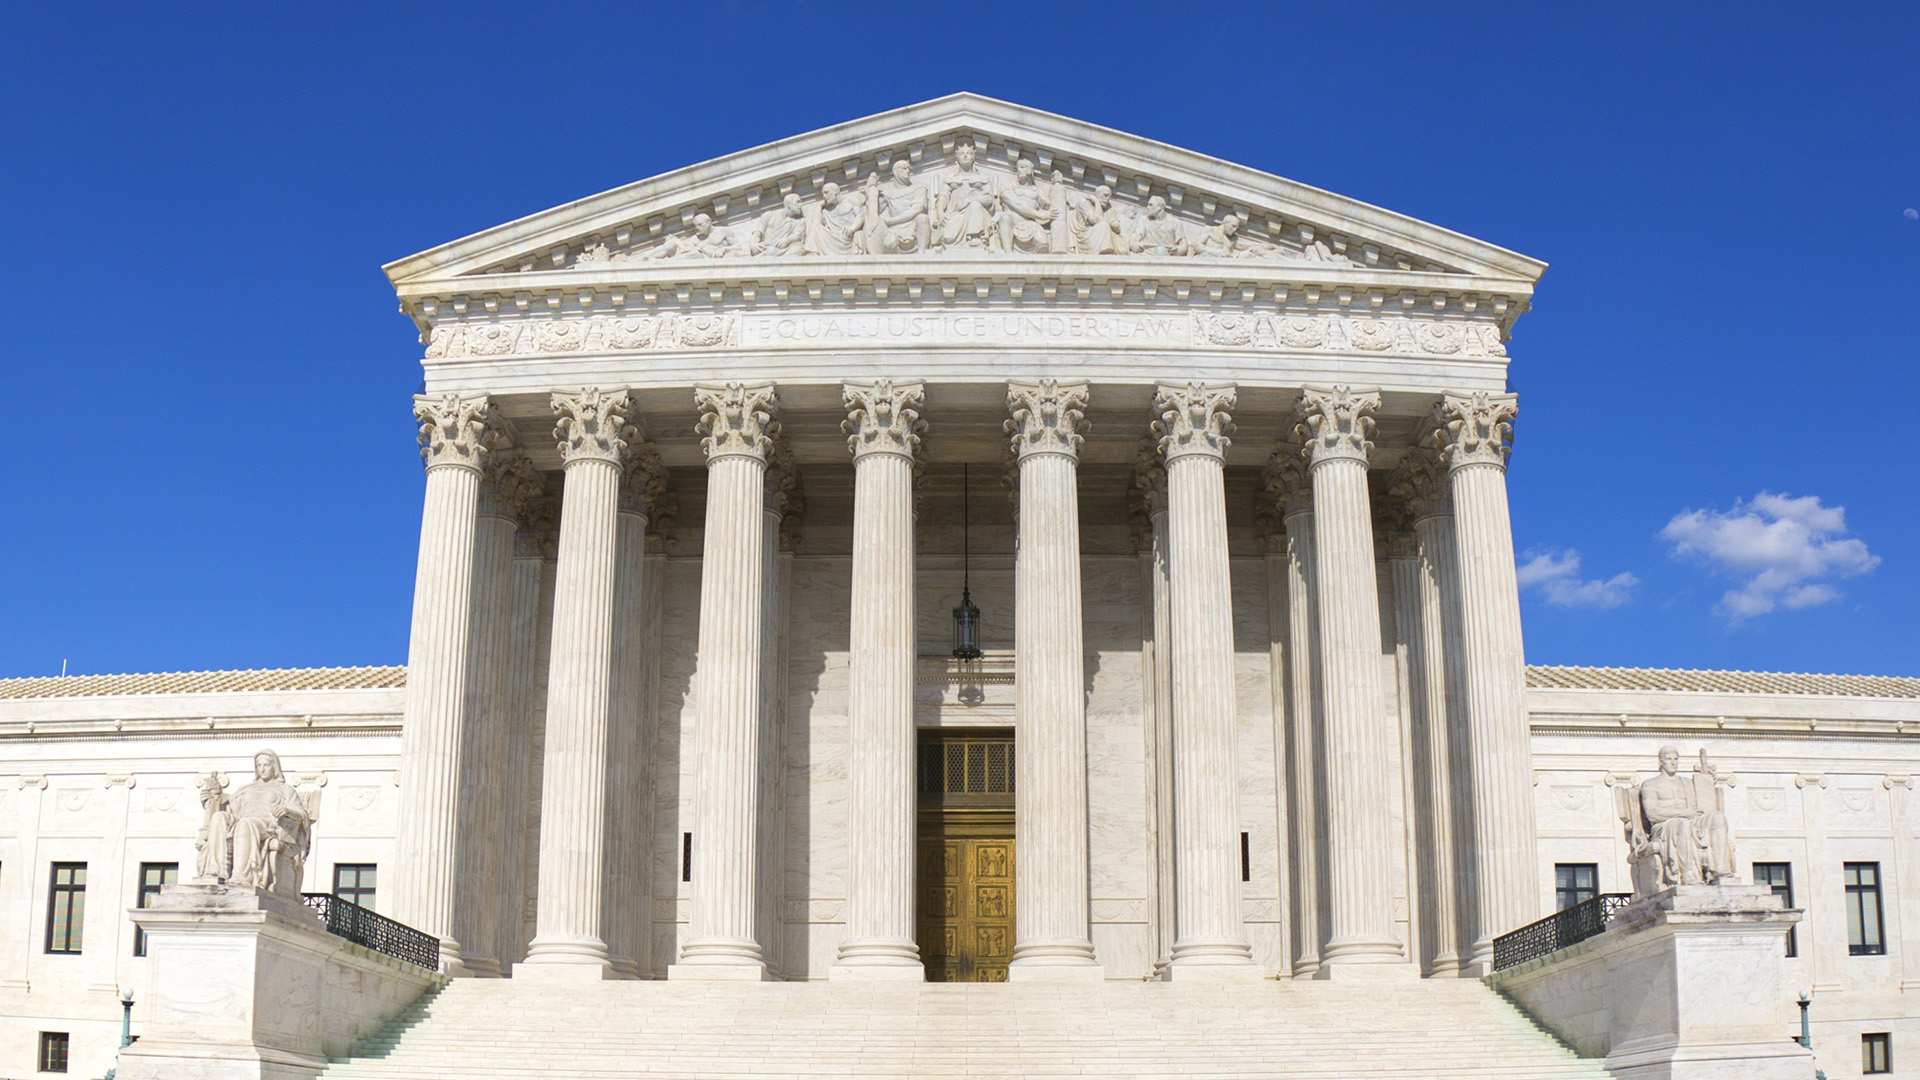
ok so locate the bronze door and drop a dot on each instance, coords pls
(966, 899)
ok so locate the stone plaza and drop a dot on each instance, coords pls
(701, 693)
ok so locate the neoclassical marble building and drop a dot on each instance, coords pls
(715, 460)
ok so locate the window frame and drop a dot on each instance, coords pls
(70, 918)
(146, 891)
(50, 1040)
(366, 883)
(1581, 893)
(1857, 892)
(1783, 890)
(1870, 1041)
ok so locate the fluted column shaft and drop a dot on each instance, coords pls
(454, 433)
(1306, 744)
(1210, 938)
(1160, 779)
(627, 901)
(523, 678)
(569, 936)
(476, 918)
(1360, 918)
(1052, 925)
(1473, 432)
(1443, 660)
(720, 942)
(883, 433)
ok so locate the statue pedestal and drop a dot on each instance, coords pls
(1688, 984)
(246, 984)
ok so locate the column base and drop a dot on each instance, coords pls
(1214, 971)
(871, 972)
(719, 973)
(565, 959)
(556, 971)
(477, 967)
(1357, 971)
(1037, 971)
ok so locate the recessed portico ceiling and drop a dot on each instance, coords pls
(648, 229)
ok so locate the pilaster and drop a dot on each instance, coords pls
(883, 429)
(1193, 423)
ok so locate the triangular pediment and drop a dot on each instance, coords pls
(898, 188)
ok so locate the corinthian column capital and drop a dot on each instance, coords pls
(456, 431)
(736, 419)
(508, 481)
(1049, 416)
(1286, 480)
(1420, 482)
(1336, 423)
(642, 476)
(1475, 429)
(591, 425)
(883, 417)
(1194, 418)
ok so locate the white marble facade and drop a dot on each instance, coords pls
(1250, 438)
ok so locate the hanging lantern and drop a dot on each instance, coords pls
(966, 617)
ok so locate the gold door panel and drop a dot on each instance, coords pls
(966, 897)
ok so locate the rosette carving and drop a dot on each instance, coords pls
(1420, 482)
(1194, 418)
(592, 425)
(1049, 416)
(456, 431)
(884, 417)
(1336, 424)
(736, 419)
(1475, 429)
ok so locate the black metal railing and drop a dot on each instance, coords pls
(1558, 930)
(364, 926)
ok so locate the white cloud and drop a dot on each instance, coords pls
(1556, 573)
(1780, 548)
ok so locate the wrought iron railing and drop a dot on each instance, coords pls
(364, 926)
(1558, 930)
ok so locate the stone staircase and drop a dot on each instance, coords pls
(1302, 1031)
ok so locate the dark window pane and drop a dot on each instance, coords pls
(152, 877)
(53, 1051)
(1865, 929)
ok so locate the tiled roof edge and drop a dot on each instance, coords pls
(1571, 677)
(205, 682)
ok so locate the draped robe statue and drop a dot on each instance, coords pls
(257, 836)
(1680, 837)
(965, 198)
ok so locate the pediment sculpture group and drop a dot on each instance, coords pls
(257, 835)
(965, 207)
(1676, 829)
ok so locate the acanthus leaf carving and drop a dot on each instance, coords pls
(883, 417)
(508, 481)
(1149, 492)
(1420, 482)
(591, 425)
(1475, 429)
(736, 419)
(1286, 489)
(1193, 418)
(1336, 423)
(454, 430)
(1048, 416)
(642, 475)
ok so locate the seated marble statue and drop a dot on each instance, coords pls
(1679, 837)
(1025, 219)
(257, 836)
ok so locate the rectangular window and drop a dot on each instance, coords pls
(152, 876)
(1246, 857)
(66, 908)
(53, 1051)
(1574, 883)
(1779, 875)
(1876, 1052)
(1866, 932)
(353, 882)
(686, 856)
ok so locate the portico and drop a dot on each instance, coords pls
(760, 439)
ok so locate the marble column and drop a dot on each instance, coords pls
(569, 936)
(1336, 426)
(1150, 513)
(628, 902)
(1438, 656)
(782, 506)
(1210, 939)
(1052, 916)
(507, 482)
(1290, 486)
(737, 426)
(525, 689)
(883, 428)
(1473, 432)
(456, 434)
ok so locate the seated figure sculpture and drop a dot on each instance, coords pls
(1676, 833)
(257, 836)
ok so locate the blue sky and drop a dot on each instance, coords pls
(212, 463)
